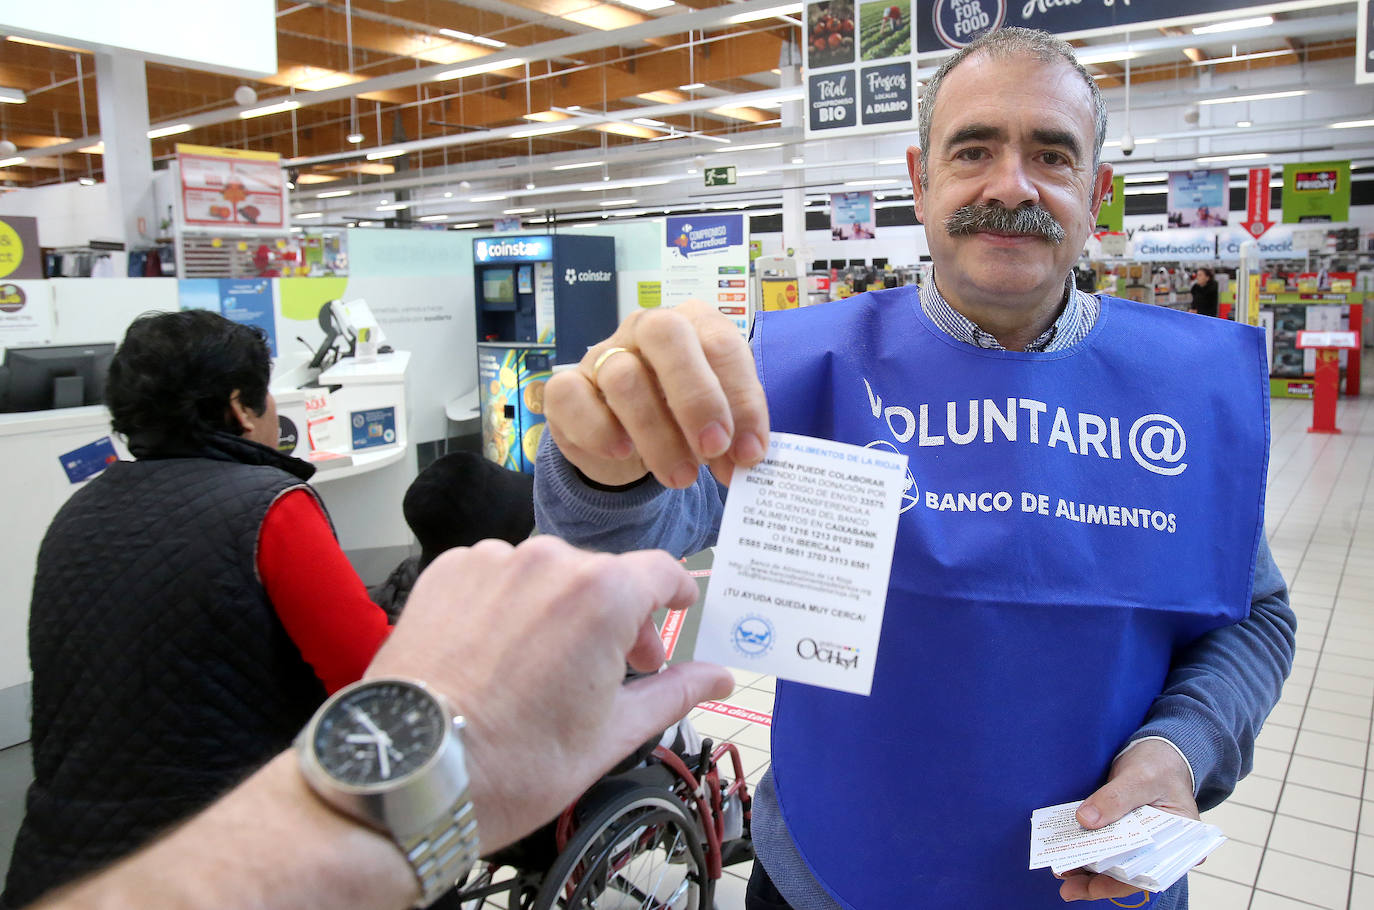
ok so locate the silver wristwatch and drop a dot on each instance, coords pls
(387, 752)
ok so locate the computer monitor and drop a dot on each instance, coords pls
(41, 379)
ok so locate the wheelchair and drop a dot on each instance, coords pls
(656, 836)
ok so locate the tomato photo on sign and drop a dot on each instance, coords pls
(830, 33)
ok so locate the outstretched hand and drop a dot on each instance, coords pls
(1150, 773)
(530, 645)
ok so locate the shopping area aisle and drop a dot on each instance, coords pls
(1302, 825)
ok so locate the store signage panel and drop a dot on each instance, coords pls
(1317, 191)
(20, 255)
(945, 24)
(516, 249)
(1112, 215)
(851, 216)
(1199, 198)
(706, 257)
(240, 39)
(719, 176)
(859, 72)
(231, 188)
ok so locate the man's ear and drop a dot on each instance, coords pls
(1101, 184)
(242, 414)
(913, 168)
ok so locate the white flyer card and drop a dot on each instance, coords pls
(802, 561)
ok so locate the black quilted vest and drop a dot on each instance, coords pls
(161, 674)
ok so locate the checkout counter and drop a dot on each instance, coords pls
(350, 421)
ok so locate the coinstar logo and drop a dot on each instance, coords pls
(752, 635)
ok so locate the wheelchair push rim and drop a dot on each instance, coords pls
(642, 850)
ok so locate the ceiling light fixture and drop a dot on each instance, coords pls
(86, 181)
(785, 9)
(393, 207)
(12, 95)
(386, 153)
(354, 138)
(475, 39)
(1351, 124)
(1116, 143)
(432, 218)
(545, 130)
(334, 194)
(1259, 55)
(876, 182)
(578, 166)
(479, 68)
(1234, 25)
(162, 131)
(463, 226)
(494, 198)
(519, 211)
(1266, 96)
(11, 162)
(1252, 156)
(304, 215)
(1090, 58)
(648, 121)
(748, 148)
(691, 86)
(279, 108)
(607, 203)
(1245, 124)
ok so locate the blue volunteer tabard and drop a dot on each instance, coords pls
(1071, 520)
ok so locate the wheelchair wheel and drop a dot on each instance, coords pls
(640, 850)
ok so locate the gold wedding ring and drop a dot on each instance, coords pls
(605, 356)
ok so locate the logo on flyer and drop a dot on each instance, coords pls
(752, 635)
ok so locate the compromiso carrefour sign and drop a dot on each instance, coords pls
(512, 249)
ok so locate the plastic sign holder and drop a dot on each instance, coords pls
(1326, 380)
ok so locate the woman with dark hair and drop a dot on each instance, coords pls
(190, 608)
(1204, 291)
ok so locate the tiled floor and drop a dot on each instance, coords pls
(1302, 824)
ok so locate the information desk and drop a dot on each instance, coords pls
(362, 489)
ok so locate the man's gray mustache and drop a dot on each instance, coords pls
(1031, 220)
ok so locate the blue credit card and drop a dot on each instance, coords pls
(89, 460)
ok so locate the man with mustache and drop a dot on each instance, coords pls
(1030, 657)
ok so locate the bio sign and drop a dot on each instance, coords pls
(859, 67)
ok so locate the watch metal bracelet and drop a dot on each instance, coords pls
(445, 853)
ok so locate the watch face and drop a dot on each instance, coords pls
(379, 733)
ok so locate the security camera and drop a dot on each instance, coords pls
(1127, 143)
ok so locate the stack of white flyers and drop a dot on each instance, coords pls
(1147, 848)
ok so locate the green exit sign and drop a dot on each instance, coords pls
(720, 176)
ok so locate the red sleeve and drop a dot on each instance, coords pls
(317, 595)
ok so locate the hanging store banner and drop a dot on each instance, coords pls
(706, 257)
(1199, 198)
(1364, 42)
(20, 255)
(1257, 202)
(859, 69)
(1319, 191)
(947, 24)
(231, 188)
(851, 216)
(1112, 215)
